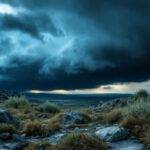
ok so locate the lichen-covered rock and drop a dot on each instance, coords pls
(112, 133)
(6, 117)
(127, 145)
(73, 118)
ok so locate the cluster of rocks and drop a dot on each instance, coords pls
(108, 105)
(4, 94)
(6, 117)
(116, 136)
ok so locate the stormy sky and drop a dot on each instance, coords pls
(66, 45)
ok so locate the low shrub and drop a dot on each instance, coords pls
(80, 141)
(140, 109)
(4, 127)
(141, 94)
(17, 102)
(49, 107)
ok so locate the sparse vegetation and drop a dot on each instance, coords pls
(42, 120)
(139, 109)
(141, 94)
(55, 123)
(50, 108)
(17, 102)
(35, 128)
(80, 141)
(4, 127)
(40, 145)
(113, 116)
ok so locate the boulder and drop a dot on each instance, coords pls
(6, 117)
(73, 118)
(127, 145)
(113, 133)
(55, 138)
(13, 146)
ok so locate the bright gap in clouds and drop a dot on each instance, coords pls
(113, 88)
(7, 9)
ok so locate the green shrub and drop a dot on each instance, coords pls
(139, 109)
(17, 102)
(141, 94)
(49, 107)
(80, 141)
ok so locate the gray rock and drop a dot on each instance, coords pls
(112, 133)
(73, 118)
(5, 136)
(127, 145)
(6, 117)
(55, 138)
(12, 146)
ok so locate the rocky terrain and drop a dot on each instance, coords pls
(24, 125)
(5, 94)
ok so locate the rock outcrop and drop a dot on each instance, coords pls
(4, 94)
(113, 133)
(6, 117)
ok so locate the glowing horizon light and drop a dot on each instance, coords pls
(112, 88)
(7, 9)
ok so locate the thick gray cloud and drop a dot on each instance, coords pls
(84, 43)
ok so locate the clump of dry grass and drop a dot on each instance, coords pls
(4, 127)
(146, 138)
(80, 141)
(35, 128)
(55, 123)
(113, 116)
(86, 117)
(40, 145)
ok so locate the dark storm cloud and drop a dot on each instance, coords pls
(87, 43)
(29, 23)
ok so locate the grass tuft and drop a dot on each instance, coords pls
(4, 127)
(35, 128)
(80, 141)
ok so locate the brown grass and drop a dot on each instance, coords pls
(113, 116)
(34, 128)
(80, 141)
(40, 145)
(55, 123)
(146, 139)
(7, 128)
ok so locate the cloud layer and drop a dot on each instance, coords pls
(53, 44)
